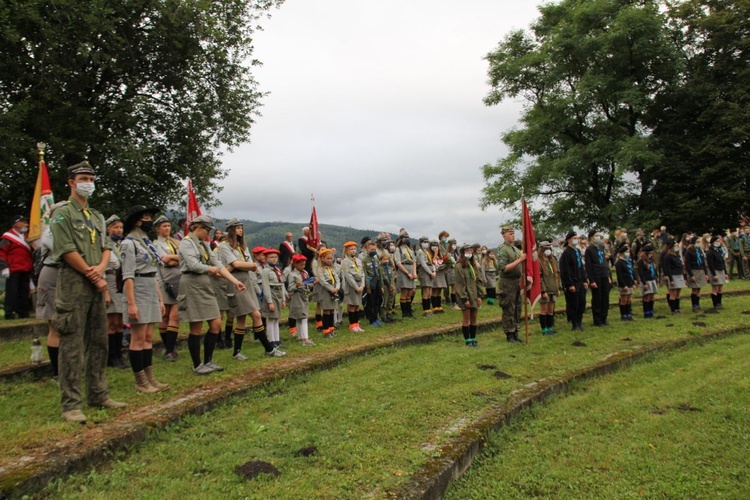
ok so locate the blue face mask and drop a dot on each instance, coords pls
(115, 237)
(372, 253)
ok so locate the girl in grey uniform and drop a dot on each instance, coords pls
(235, 256)
(406, 265)
(299, 289)
(220, 286)
(144, 304)
(115, 308)
(697, 269)
(274, 295)
(328, 290)
(716, 270)
(353, 279)
(427, 273)
(440, 283)
(451, 256)
(170, 286)
(489, 273)
(673, 274)
(197, 301)
(45, 298)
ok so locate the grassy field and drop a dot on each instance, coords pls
(676, 426)
(373, 420)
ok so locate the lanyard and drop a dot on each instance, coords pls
(89, 226)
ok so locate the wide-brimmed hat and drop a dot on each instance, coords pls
(203, 220)
(134, 215)
(161, 220)
(112, 219)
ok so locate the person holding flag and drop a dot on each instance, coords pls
(509, 260)
(17, 265)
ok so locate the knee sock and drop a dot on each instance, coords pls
(328, 322)
(164, 337)
(209, 344)
(136, 360)
(352, 319)
(403, 309)
(239, 336)
(148, 357)
(172, 332)
(467, 334)
(435, 302)
(473, 333)
(719, 297)
(623, 314)
(355, 315)
(426, 307)
(453, 299)
(292, 326)
(302, 329)
(112, 349)
(228, 329)
(318, 321)
(543, 322)
(52, 352)
(194, 346)
(260, 333)
(670, 301)
(677, 304)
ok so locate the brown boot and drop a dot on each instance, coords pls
(149, 371)
(142, 385)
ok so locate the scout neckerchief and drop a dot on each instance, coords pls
(629, 265)
(471, 271)
(600, 254)
(354, 261)
(330, 273)
(429, 256)
(699, 257)
(171, 246)
(149, 246)
(277, 271)
(578, 257)
(408, 254)
(200, 248)
(89, 225)
(652, 268)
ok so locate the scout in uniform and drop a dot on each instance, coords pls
(274, 296)
(328, 290)
(45, 300)
(744, 237)
(673, 274)
(625, 281)
(470, 292)
(697, 269)
(220, 289)
(234, 254)
(735, 255)
(83, 250)
(489, 274)
(549, 276)
(716, 270)
(439, 283)
(427, 273)
(170, 286)
(451, 257)
(599, 278)
(647, 274)
(406, 266)
(353, 280)
(387, 274)
(374, 284)
(509, 260)
(299, 289)
(197, 300)
(115, 308)
(142, 291)
(573, 278)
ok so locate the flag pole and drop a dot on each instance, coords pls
(523, 272)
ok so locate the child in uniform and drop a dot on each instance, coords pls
(549, 276)
(274, 295)
(353, 279)
(469, 291)
(299, 289)
(427, 273)
(625, 281)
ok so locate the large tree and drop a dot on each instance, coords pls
(589, 72)
(149, 91)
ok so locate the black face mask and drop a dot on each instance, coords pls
(146, 226)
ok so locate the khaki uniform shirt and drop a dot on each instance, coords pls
(77, 230)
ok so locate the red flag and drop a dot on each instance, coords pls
(532, 286)
(193, 210)
(313, 235)
(40, 203)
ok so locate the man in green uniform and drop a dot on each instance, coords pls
(83, 249)
(509, 259)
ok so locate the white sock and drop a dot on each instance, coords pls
(302, 328)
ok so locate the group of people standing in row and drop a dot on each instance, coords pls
(100, 275)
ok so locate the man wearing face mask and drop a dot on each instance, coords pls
(573, 278)
(83, 250)
(599, 278)
(509, 259)
(17, 264)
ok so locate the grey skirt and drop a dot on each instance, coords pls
(197, 300)
(277, 299)
(622, 291)
(352, 297)
(450, 279)
(700, 280)
(172, 276)
(678, 280)
(721, 279)
(326, 300)
(403, 281)
(117, 306)
(299, 305)
(425, 280)
(220, 290)
(650, 288)
(45, 293)
(147, 300)
(242, 303)
(550, 299)
(440, 280)
(491, 279)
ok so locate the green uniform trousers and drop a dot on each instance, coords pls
(509, 290)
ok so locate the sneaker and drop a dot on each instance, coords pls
(329, 335)
(202, 369)
(276, 353)
(214, 366)
(456, 308)
(171, 356)
(377, 322)
(240, 357)
(75, 416)
(306, 342)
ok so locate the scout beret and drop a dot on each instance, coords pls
(350, 244)
(298, 257)
(160, 220)
(365, 240)
(325, 252)
(465, 247)
(545, 244)
(203, 220)
(452, 240)
(258, 249)
(508, 229)
(80, 168)
(571, 234)
(434, 243)
(271, 251)
(112, 219)
(234, 222)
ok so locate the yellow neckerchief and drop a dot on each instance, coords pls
(429, 256)
(471, 271)
(354, 261)
(330, 273)
(203, 251)
(241, 251)
(172, 248)
(89, 225)
(408, 254)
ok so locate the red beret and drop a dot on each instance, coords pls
(259, 250)
(298, 257)
(269, 251)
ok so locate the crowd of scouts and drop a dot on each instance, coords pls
(100, 277)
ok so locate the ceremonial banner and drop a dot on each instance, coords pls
(40, 203)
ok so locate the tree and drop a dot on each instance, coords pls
(589, 71)
(703, 124)
(149, 91)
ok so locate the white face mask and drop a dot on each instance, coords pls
(717, 244)
(624, 235)
(468, 255)
(548, 252)
(597, 239)
(575, 243)
(24, 230)
(85, 189)
(676, 248)
(392, 248)
(425, 246)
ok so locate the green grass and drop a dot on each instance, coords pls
(674, 427)
(375, 419)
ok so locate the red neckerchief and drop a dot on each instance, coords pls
(304, 275)
(277, 271)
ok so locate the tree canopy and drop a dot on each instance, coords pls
(625, 108)
(149, 91)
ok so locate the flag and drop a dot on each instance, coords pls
(533, 286)
(40, 204)
(313, 235)
(193, 210)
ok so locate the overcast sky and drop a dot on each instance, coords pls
(376, 108)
